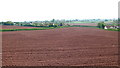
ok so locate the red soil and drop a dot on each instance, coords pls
(15, 27)
(73, 46)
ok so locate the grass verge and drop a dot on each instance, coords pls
(110, 29)
(43, 28)
(113, 29)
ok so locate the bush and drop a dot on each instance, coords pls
(51, 25)
(8, 23)
(101, 25)
(55, 26)
(61, 24)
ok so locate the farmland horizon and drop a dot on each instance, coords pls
(62, 19)
(59, 32)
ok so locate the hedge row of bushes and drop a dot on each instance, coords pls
(32, 24)
(101, 25)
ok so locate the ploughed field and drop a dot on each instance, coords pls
(72, 46)
(15, 27)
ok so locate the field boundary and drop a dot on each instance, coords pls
(45, 28)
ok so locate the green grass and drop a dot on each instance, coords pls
(110, 29)
(113, 29)
(43, 28)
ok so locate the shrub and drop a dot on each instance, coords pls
(101, 25)
(8, 23)
(61, 24)
(51, 25)
(55, 26)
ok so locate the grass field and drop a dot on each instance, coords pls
(3, 30)
(29, 28)
(45, 28)
(113, 29)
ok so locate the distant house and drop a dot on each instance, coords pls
(111, 27)
(105, 27)
(14, 23)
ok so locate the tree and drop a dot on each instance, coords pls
(53, 20)
(61, 24)
(106, 19)
(35, 24)
(118, 20)
(8, 23)
(51, 25)
(101, 25)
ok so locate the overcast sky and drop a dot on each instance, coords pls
(32, 10)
